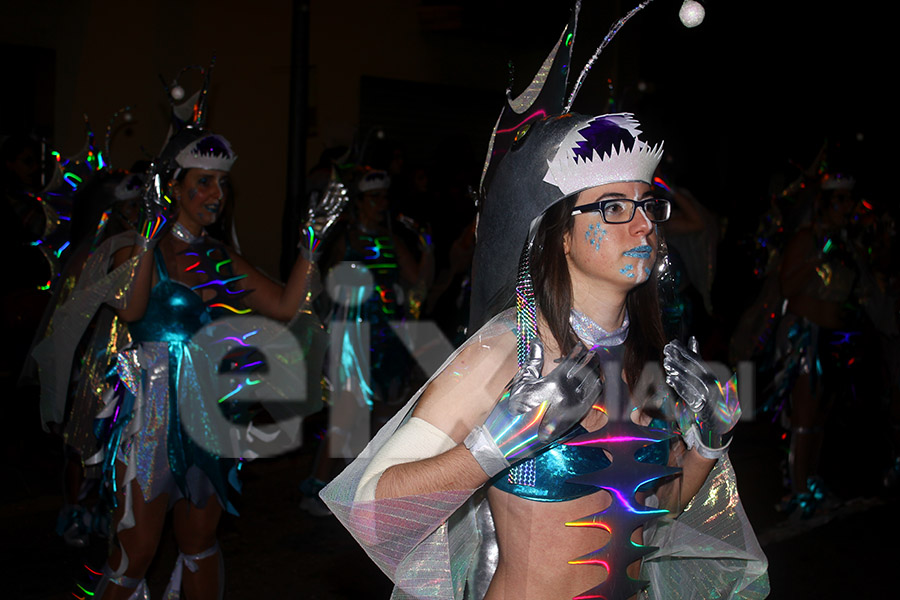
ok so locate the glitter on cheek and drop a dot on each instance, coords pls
(594, 235)
(192, 193)
(628, 271)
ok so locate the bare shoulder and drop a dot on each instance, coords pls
(464, 393)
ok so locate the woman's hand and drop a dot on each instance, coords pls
(159, 213)
(709, 409)
(535, 411)
(323, 214)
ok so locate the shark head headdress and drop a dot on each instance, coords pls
(539, 153)
(188, 145)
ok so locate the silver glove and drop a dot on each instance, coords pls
(536, 411)
(159, 212)
(322, 215)
(708, 409)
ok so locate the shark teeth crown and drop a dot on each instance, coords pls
(571, 171)
(219, 158)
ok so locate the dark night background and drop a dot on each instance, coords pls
(743, 102)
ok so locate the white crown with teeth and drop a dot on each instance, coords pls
(192, 157)
(573, 174)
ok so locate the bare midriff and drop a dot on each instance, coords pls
(536, 546)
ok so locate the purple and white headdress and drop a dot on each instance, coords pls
(212, 152)
(606, 150)
(188, 145)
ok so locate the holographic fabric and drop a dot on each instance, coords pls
(54, 355)
(96, 357)
(440, 544)
(710, 550)
(162, 364)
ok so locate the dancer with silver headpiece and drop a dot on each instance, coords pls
(168, 281)
(544, 460)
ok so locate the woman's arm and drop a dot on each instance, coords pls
(695, 470)
(455, 469)
(271, 298)
(458, 400)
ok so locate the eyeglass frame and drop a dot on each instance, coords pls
(636, 204)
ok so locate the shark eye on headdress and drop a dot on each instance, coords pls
(520, 137)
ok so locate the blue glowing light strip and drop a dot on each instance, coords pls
(219, 282)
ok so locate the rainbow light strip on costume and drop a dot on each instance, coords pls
(237, 311)
(537, 114)
(312, 242)
(621, 480)
(239, 387)
(153, 227)
(516, 429)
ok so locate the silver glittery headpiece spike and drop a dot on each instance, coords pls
(606, 40)
(572, 171)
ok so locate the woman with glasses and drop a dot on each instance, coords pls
(547, 454)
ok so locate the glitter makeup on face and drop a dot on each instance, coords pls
(595, 234)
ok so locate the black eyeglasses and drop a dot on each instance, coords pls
(622, 211)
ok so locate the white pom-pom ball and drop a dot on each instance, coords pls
(177, 92)
(691, 13)
(128, 117)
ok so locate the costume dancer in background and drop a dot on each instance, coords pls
(375, 282)
(539, 460)
(819, 276)
(167, 281)
(88, 201)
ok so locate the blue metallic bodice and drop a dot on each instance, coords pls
(174, 313)
(547, 477)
